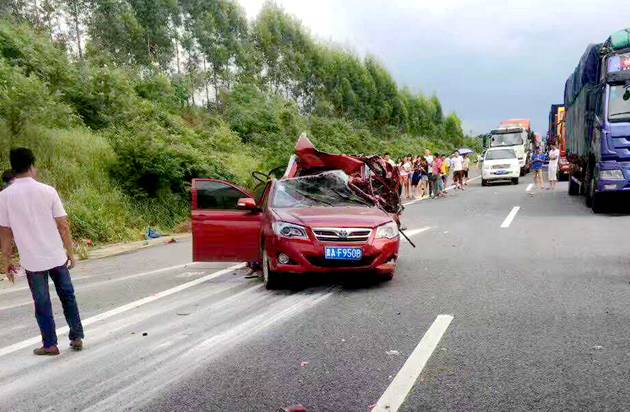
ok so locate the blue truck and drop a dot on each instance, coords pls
(597, 101)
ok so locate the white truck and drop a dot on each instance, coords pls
(514, 134)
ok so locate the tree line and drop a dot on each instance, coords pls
(208, 47)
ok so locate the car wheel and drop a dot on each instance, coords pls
(515, 180)
(484, 182)
(270, 278)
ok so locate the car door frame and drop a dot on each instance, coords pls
(225, 235)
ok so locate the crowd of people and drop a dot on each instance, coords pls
(426, 176)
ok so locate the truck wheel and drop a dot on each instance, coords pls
(594, 200)
(515, 180)
(574, 187)
(271, 279)
(522, 171)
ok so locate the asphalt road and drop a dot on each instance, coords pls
(540, 322)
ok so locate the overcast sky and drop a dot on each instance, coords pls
(486, 60)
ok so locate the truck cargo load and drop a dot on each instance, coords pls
(597, 121)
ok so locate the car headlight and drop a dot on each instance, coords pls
(387, 231)
(290, 230)
(614, 174)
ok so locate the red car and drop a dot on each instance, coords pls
(306, 224)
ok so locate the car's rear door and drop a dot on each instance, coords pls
(222, 232)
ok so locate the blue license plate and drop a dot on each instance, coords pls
(344, 253)
(501, 172)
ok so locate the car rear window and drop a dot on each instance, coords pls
(217, 195)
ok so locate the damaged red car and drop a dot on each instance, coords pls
(311, 220)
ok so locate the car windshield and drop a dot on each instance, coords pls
(500, 154)
(327, 189)
(506, 139)
(619, 103)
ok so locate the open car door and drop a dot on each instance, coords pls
(221, 231)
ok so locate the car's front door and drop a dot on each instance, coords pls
(222, 232)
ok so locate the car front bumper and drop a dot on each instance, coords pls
(307, 256)
(490, 174)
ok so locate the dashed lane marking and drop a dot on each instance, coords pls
(404, 380)
(414, 232)
(510, 217)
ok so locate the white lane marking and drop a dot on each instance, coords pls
(91, 285)
(529, 187)
(510, 217)
(124, 308)
(414, 232)
(411, 202)
(96, 277)
(404, 380)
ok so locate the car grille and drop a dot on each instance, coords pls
(342, 234)
(501, 166)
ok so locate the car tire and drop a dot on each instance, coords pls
(271, 279)
(484, 182)
(515, 180)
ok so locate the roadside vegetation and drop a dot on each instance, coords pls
(124, 102)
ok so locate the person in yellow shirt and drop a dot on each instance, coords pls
(444, 171)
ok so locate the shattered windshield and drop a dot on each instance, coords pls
(619, 103)
(507, 139)
(325, 190)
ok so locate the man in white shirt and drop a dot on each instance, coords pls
(32, 216)
(457, 164)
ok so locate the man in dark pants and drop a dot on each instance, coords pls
(32, 216)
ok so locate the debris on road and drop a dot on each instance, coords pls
(392, 353)
(145, 334)
(598, 347)
(304, 364)
(171, 241)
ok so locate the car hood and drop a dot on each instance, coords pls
(334, 216)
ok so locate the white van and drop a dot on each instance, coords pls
(500, 163)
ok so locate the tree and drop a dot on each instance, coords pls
(220, 30)
(76, 10)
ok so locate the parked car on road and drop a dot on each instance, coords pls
(306, 224)
(500, 164)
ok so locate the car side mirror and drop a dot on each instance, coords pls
(247, 203)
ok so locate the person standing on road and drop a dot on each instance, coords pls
(554, 158)
(538, 162)
(32, 216)
(431, 176)
(466, 166)
(458, 170)
(445, 168)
